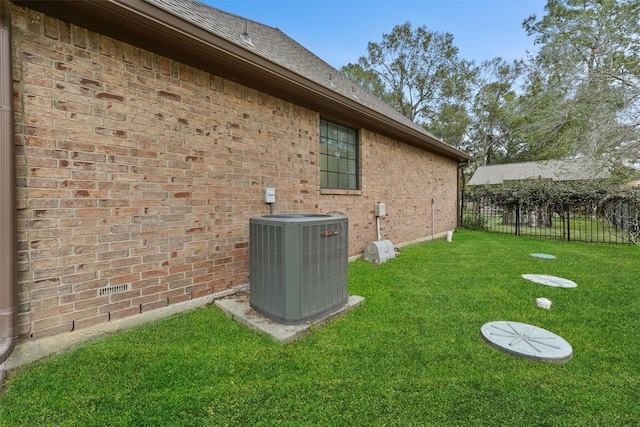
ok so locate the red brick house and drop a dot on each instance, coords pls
(143, 134)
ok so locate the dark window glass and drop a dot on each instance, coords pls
(338, 156)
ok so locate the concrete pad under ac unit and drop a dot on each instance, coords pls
(237, 307)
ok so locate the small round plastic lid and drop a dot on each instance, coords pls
(543, 256)
(527, 341)
(298, 216)
(557, 282)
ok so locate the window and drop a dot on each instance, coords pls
(338, 156)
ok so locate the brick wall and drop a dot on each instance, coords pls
(137, 176)
(405, 179)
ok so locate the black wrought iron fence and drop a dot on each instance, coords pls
(616, 222)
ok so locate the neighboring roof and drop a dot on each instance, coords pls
(247, 52)
(557, 170)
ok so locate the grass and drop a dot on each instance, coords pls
(410, 354)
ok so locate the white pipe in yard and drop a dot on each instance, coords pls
(378, 226)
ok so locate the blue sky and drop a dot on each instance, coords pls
(338, 30)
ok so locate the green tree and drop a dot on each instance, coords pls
(451, 124)
(367, 79)
(417, 72)
(583, 90)
(491, 111)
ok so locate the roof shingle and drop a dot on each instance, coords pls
(556, 170)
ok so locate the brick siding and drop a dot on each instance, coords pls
(136, 170)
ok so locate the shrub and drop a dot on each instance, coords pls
(474, 221)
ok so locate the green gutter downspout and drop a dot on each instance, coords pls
(8, 243)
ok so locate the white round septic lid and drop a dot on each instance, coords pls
(557, 282)
(543, 256)
(528, 341)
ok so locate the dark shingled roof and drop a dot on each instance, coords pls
(275, 46)
(555, 170)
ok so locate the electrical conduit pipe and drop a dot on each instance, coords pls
(8, 243)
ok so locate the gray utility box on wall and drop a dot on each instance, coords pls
(298, 265)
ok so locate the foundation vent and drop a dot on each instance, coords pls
(110, 290)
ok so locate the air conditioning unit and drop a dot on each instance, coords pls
(379, 252)
(298, 265)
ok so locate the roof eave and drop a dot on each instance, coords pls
(146, 25)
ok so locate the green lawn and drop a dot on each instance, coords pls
(410, 355)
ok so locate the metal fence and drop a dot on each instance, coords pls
(616, 222)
